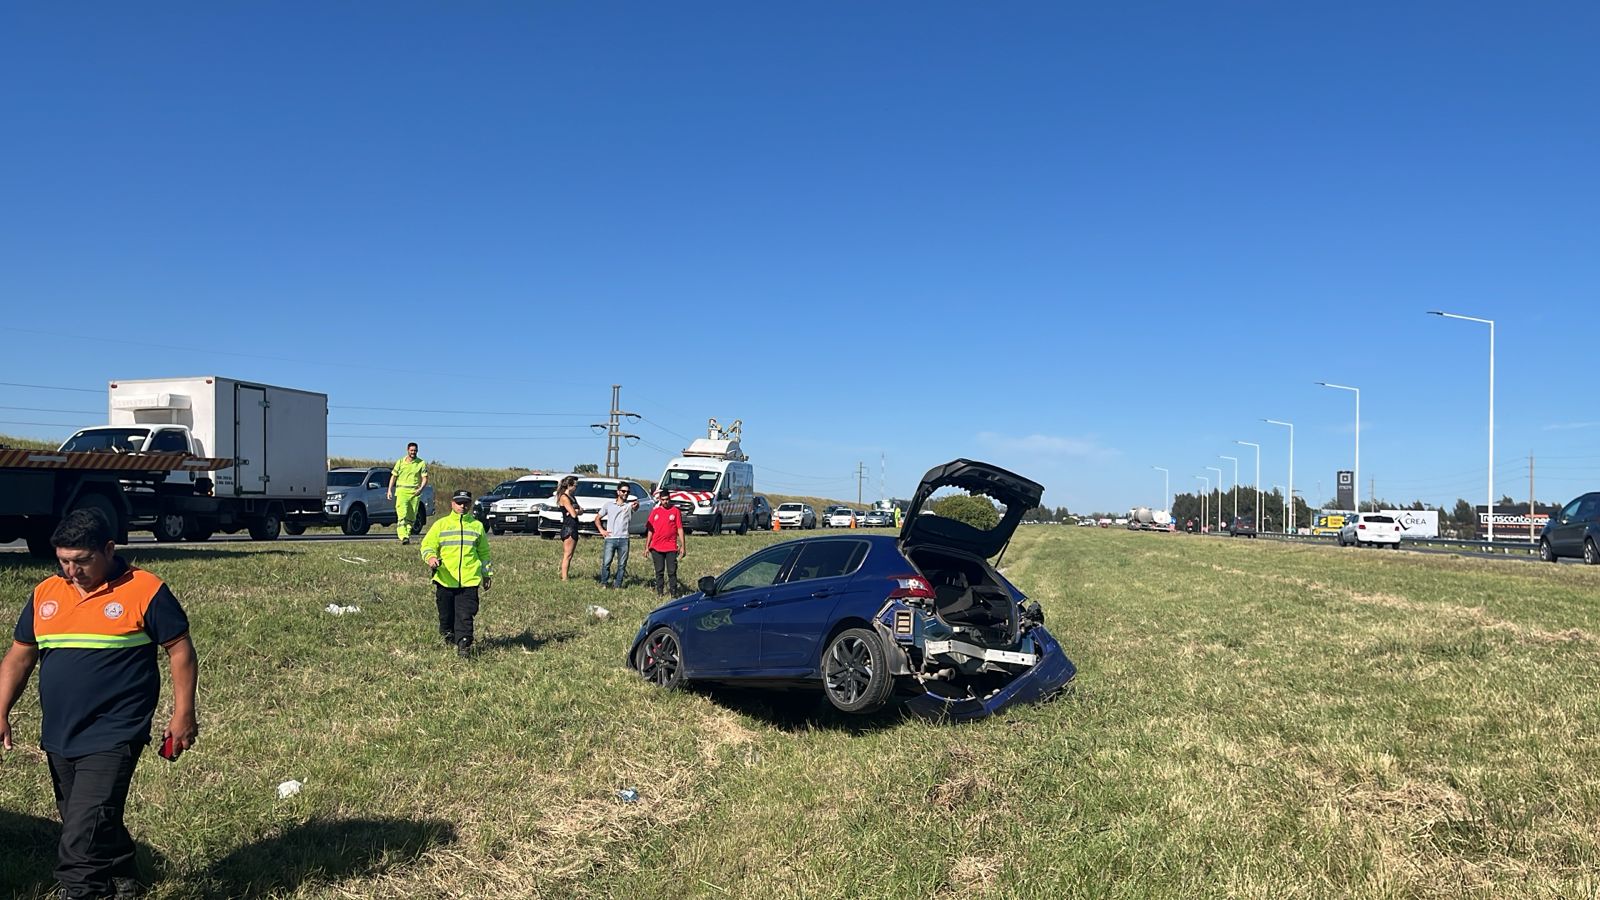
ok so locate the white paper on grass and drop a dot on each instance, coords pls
(288, 789)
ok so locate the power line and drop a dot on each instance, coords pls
(439, 437)
(457, 412)
(51, 387)
(440, 425)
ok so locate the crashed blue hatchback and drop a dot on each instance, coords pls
(923, 619)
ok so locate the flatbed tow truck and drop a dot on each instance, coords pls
(39, 487)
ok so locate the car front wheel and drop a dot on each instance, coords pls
(1545, 553)
(659, 658)
(1591, 554)
(356, 521)
(855, 672)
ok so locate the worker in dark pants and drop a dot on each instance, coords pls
(457, 550)
(664, 533)
(93, 632)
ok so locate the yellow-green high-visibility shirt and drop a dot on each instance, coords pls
(408, 473)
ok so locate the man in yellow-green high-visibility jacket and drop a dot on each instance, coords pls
(405, 489)
(457, 550)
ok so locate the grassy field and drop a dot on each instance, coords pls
(1251, 719)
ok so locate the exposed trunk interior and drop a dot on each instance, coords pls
(968, 596)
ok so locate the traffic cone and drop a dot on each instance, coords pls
(776, 524)
(852, 520)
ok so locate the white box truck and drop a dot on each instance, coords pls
(277, 438)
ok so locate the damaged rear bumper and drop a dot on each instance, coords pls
(1049, 673)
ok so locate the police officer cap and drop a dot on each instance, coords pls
(462, 497)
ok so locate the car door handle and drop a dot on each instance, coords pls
(754, 604)
(822, 594)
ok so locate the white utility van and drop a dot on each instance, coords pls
(713, 483)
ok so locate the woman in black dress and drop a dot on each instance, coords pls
(567, 499)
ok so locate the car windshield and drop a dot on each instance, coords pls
(345, 479)
(790, 507)
(690, 480)
(119, 440)
(532, 490)
(501, 489)
(597, 490)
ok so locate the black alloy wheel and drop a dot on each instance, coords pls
(356, 521)
(1591, 554)
(855, 672)
(1545, 553)
(659, 658)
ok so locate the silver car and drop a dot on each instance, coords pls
(357, 498)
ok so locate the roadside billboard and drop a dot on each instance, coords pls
(1345, 493)
(1417, 523)
(1512, 523)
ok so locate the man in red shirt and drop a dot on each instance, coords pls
(664, 531)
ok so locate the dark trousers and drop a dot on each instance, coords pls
(91, 792)
(668, 560)
(457, 606)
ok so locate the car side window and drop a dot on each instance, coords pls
(760, 570)
(828, 559)
(1589, 508)
(380, 477)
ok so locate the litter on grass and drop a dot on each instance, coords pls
(628, 795)
(599, 612)
(338, 610)
(353, 560)
(289, 789)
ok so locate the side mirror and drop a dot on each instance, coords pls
(707, 585)
(373, 486)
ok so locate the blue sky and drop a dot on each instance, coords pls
(1076, 240)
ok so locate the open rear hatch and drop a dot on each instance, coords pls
(978, 642)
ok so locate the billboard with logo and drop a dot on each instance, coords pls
(1512, 523)
(1345, 495)
(1416, 523)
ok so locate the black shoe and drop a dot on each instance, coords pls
(125, 888)
(464, 650)
(449, 639)
(405, 540)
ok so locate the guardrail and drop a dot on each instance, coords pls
(1506, 548)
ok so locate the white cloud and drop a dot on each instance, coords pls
(1048, 445)
(1570, 426)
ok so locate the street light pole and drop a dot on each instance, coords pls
(1345, 387)
(1219, 494)
(1205, 503)
(1294, 512)
(1235, 485)
(1258, 478)
(1166, 487)
(1490, 323)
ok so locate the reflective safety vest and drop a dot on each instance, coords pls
(463, 550)
(408, 474)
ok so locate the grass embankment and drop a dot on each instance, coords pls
(1250, 719)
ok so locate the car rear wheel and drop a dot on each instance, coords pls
(659, 658)
(716, 526)
(356, 521)
(744, 526)
(855, 672)
(1591, 554)
(1545, 553)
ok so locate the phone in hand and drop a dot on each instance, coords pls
(169, 749)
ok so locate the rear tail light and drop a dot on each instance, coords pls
(1362, 527)
(911, 586)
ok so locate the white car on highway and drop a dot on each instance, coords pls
(1370, 528)
(843, 517)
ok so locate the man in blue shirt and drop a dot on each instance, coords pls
(93, 631)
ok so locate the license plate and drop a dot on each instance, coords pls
(510, 518)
